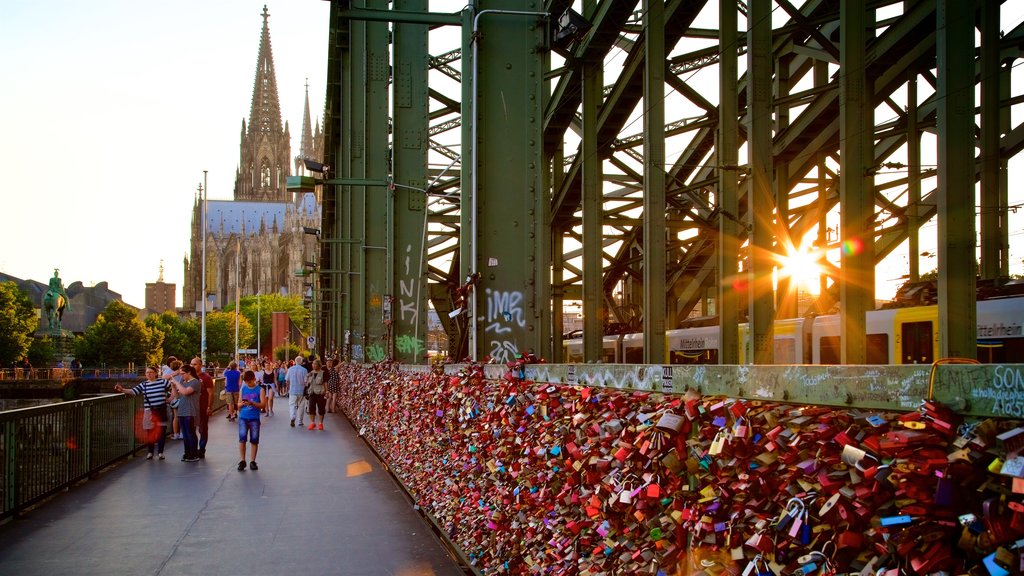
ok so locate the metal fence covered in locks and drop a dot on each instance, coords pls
(530, 478)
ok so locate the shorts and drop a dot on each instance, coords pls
(249, 429)
(269, 388)
(230, 398)
(317, 401)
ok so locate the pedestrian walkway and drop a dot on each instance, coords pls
(320, 504)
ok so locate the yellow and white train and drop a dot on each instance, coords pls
(894, 336)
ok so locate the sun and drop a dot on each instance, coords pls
(803, 267)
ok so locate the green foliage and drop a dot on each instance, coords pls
(41, 352)
(266, 305)
(18, 320)
(220, 333)
(182, 337)
(118, 338)
(286, 352)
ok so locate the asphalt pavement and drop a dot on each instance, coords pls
(320, 504)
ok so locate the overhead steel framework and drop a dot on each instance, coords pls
(656, 160)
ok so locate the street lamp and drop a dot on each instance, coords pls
(204, 192)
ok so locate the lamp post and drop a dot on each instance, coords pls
(259, 349)
(202, 345)
(238, 291)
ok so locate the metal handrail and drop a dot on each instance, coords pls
(46, 449)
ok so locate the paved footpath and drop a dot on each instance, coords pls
(320, 504)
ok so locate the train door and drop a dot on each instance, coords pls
(916, 339)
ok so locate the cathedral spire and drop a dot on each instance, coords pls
(265, 149)
(307, 133)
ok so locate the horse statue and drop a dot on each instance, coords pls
(55, 301)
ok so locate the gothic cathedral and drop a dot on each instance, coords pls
(255, 243)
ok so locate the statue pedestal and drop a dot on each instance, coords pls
(62, 348)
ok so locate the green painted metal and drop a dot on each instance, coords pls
(654, 181)
(409, 286)
(956, 214)
(983, 390)
(594, 311)
(377, 208)
(403, 15)
(760, 204)
(913, 180)
(993, 246)
(506, 199)
(300, 184)
(727, 149)
(857, 261)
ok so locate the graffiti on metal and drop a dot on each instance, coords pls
(972, 389)
(983, 389)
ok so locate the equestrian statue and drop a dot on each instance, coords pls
(55, 302)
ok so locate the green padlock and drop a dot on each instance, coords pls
(655, 533)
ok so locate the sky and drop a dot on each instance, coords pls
(111, 111)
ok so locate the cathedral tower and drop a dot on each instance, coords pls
(266, 147)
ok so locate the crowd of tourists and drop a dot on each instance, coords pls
(178, 399)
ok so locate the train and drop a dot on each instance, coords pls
(908, 335)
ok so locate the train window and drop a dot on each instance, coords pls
(830, 351)
(878, 348)
(634, 355)
(785, 351)
(709, 356)
(917, 343)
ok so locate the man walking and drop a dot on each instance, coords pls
(205, 405)
(296, 379)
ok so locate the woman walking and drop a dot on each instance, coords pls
(333, 385)
(316, 388)
(269, 378)
(252, 399)
(154, 411)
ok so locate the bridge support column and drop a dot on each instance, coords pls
(958, 332)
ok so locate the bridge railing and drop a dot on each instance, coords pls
(67, 373)
(46, 449)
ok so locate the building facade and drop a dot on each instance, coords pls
(255, 243)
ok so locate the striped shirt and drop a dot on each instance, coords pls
(154, 392)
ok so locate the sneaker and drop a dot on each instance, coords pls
(229, 416)
(149, 456)
(253, 466)
(202, 453)
(241, 464)
(192, 459)
(320, 426)
(293, 423)
(160, 456)
(312, 426)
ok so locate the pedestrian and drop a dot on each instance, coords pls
(333, 385)
(187, 393)
(280, 370)
(252, 399)
(268, 378)
(154, 407)
(205, 405)
(296, 378)
(232, 382)
(172, 374)
(316, 388)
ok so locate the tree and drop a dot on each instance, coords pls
(220, 333)
(41, 352)
(118, 338)
(182, 337)
(267, 305)
(18, 320)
